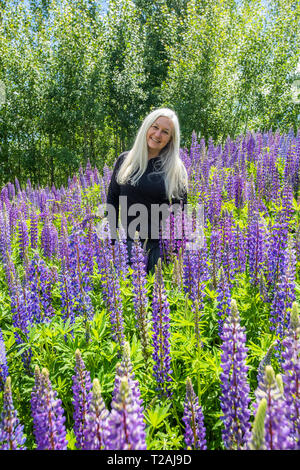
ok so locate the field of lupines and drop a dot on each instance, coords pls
(202, 354)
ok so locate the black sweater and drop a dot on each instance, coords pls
(149, 191)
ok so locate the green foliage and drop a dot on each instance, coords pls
(78, 81)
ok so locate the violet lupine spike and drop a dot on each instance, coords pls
(115, 306)
(215, 255)
(223, 299)
(95, 421)
(227, 247)
(67, 295)
(277, 426)
(34, 229)
(3, 363)
(234, 398)
(23, 237)
(12, 436)
(125, 428)
(193, 419)
(22, 320)
(275, 256)
(49, 239)
(284, 294)
(239, 247)
(161, 334)
(140, 301)
(40, 290)
(120, 255)
(256, 248)
(48, 414)
(82, 396)
(291, 375)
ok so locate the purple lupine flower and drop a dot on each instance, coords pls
(81, 398)
(79, 273)
(284, 294)
(125, 425)
(115, 306)
(227, 247)
(193, 419)
(23, 237)
(104, 256)
(63, 243)
(120, 256)
(49, 239)
(215, 202)
(215, 255)
(5, 243)
(48, 414)
(256, 248)
(22, 320)
(239, 248)
(67, 295)
(161, 334)
(95, 421)
(223, 299)
(278, 240)
(277, 426)
(195, 271)
(39, 284)
(140, 301)
(34, 229)
(11, 430)
(291, 375)
(3, 363)
(235, 388)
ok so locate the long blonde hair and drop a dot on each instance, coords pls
(136, 161)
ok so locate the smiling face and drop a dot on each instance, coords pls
(159, 135)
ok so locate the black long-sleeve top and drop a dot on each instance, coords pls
(149, 190)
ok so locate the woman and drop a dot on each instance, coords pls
(151, 174)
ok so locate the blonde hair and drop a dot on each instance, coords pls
(136, 161)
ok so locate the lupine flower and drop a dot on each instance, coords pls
(82, 396)
(223, 299)
(256, 248)
(34, 229)
(235, 388)
(193, 419)
(23, 238)
(284, 294)
(291, 375)
(277, 427)
(22, 320)
(139, 279)
(11, 430)
(3, 363)
(115, 306)
(125, 428)
(161, 334)
(125, 369)
(278, 240)
(95, 421)
(47, 413)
